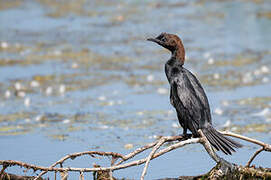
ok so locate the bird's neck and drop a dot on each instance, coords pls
(178, 54)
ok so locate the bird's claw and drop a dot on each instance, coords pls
(185, 136)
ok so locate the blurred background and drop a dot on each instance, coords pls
(79, 75)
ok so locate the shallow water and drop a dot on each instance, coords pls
(81, 76)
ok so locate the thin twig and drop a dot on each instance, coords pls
(74, 155)
(111, 175)
(155, 148)
(2, 171)
(115, 156)
(82, 176)
(208, 147)
(150, 145)
(254, 155)
(116, 167)
(137, 151)
(267, 147)
(64, 175)
(211, 152)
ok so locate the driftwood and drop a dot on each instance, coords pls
(238, 172)
(223, 169)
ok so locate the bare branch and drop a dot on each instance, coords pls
(82, 176)
(211, 152)
(74, 155)
(64, 175)
(121, 165)
(2, 170)
(150, 145)
(9, 176)
(137, 151)
(208, 147)
(254, 155)
(267, 147)
(155, 148)
(116, 167)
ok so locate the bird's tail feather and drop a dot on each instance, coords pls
(219, 141)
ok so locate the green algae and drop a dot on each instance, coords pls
(14, 130)
(229, 80)
(59, 9)
(266, 14)
(261, 102)
(15, 116)
(250, 128)
(60, 137)
(239, 61)
(6, 4)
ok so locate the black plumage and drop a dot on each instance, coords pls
(188, 97)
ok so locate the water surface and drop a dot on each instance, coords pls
(80, 75)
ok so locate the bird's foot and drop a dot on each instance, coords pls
(185, 136)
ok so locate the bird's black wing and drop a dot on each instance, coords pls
(196, 113)
(199, 93)
(193, 107)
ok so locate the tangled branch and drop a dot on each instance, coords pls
(265, 147)
(119, 161)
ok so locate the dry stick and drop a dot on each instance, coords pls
(74, 155)
(155, 148)
(208, 147)
(123, 158)
(137, 151)
(254, 155)
(161, 152)
(81, 176)
(150, 145)
(64, 175)
(265, 147)
(133, 163)
(2, 171)
(211, 152)
(111, 175)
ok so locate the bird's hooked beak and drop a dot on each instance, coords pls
(156, 40)
(160, 40)
(153, 40)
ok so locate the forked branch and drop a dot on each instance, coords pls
(119, 161)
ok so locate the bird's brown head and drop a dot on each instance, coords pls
(171, 42)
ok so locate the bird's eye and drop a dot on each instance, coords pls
(164, 39)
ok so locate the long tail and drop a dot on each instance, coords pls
(219, 141)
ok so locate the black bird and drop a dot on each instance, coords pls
(188, 97)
